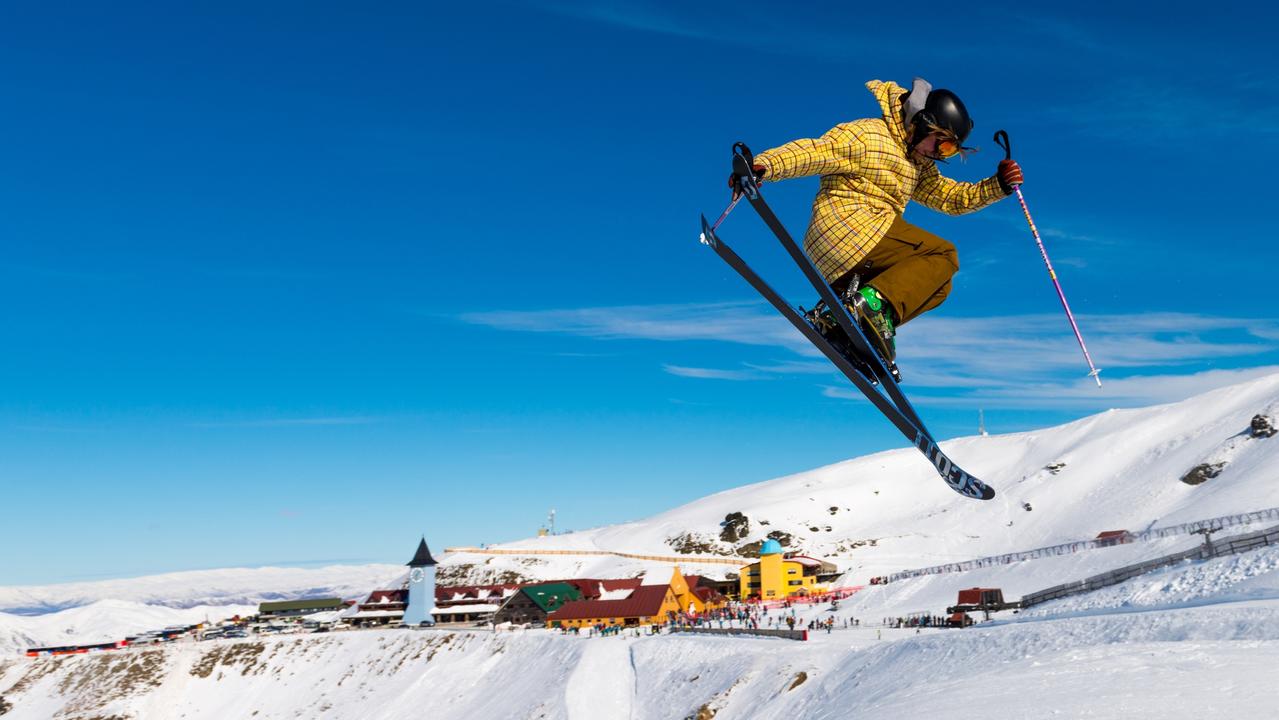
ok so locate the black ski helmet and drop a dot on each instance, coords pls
(941, 109)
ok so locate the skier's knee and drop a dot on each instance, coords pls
(947, 250)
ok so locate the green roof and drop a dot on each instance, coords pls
(288, 605)
(550, 596)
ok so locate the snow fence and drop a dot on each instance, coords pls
(1229, 546)
(1211, 525)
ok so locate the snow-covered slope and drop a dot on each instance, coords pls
(1175, 662)
(1161, 645)
(874, 515)
(91, 612)
(103, 621)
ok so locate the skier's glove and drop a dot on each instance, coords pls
(735, 179)
(1009, 174)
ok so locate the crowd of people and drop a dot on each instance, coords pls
(758, 616)
(755, 615)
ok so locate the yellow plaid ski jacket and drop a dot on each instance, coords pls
(867, 179)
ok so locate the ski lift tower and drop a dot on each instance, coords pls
(981, 423)
(550, 521)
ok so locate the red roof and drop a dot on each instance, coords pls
(592, 588)
(645, 601)
(387, 596)
(1111, 534)
(474, 592)
(707, 595)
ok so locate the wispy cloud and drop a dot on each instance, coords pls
(801, 33)
(1029, 356)
(1083, 393)
(1035, 362)
(1013, 219)
(1040, 29)
(68, 273)
(632, 14)
(739, 322)
(53, 428)
(1168, 112)
(289, 422)
(792, 367)
(713, 374)
(1013, 361)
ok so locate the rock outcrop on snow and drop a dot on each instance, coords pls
(1202, 473)
(1262, 426)
(736, 526)
(695, 544)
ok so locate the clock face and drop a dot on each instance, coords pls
(416, 575)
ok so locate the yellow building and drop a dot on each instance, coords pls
(645, 605)
(776, 576)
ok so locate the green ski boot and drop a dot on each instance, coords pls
(876, 317)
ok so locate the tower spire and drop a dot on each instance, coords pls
(423, 556)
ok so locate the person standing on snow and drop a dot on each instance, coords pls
(870, 169)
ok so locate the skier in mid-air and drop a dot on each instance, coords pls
(888, 270)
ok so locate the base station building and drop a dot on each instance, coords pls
(643, 605)
(776, 576)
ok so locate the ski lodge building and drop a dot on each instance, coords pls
(640, 605)
(777, 576)
(268, 611)
(382, 607)
(534, 602)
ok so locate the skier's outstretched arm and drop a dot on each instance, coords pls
(839, 152)
(956, 198)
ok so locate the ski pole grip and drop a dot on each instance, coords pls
(744, 167)
(1001, 139)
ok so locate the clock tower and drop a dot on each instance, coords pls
(421, 587)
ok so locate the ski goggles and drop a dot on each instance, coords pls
(948, 145)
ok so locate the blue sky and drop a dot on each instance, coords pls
(297, 282)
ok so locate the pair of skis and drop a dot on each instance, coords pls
(865, 369)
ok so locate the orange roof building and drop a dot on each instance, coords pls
(644, 605)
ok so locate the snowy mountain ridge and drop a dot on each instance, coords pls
(886, 512)
(192, 588)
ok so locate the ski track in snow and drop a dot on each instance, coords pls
(603, 685)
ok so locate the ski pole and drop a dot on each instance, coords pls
(1001, 138)
(722, 215)
(743, 161)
